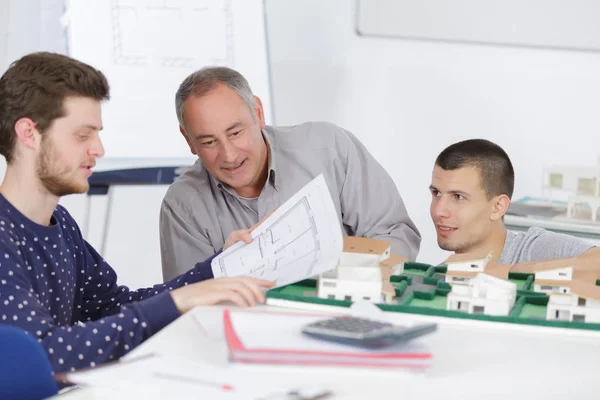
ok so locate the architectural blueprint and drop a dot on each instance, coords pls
(302, 238)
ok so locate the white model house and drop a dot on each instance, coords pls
(360, 274)
(463, 267)
(484, 294)
(555, 280)
(360, 251)
(582, 184)
(352, 283)
(556, 276)
(582, 304)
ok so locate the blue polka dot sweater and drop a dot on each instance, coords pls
(58, 288)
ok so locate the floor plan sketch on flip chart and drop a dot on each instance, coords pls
(146, 48)
(302, 238)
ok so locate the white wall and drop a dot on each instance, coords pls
(27, 26)
(4, 12)
(407, 100)
(33, 25)
(4, 31)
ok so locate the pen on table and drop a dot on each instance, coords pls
(299, 394)
(223, 386)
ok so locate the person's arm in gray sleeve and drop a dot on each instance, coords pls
(181, 245)
(549, 245)
(546, 245)
(371, 204)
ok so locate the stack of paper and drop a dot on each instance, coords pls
(276, 338)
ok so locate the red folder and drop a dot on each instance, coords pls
(310, 351)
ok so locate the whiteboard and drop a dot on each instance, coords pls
(147, 47)
(562, 24)
(4, 12)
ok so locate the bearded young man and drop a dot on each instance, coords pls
(53, 284)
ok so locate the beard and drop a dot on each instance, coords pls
(57, 180)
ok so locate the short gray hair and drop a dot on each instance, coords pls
(201, 82)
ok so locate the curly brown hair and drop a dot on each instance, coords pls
(36, 86)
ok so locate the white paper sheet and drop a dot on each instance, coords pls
(156, 377)
(284, 332)
(301, 239)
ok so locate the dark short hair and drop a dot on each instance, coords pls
(497, 173)
(36, 86)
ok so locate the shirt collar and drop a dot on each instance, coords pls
(272, 157)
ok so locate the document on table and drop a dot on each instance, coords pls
(277, 338)
(301, 239)
(155, 377)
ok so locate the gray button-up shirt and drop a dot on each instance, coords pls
(199, 212)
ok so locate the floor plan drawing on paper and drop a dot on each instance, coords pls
(300, 240)
(291, 242)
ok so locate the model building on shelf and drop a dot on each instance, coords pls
(484, 294)
(363, 272)
(580, 184)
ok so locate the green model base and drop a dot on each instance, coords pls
(421, 289)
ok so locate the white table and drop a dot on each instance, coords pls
(472, 360)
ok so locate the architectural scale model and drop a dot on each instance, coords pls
(484, 294)
(553, 293)
(363, 272)
(582, 304)
(573, 295)
(556, 276)
(581, 184)
(463, 267)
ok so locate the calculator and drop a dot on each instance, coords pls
(365, 332)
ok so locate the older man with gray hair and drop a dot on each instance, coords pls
(245, 169)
